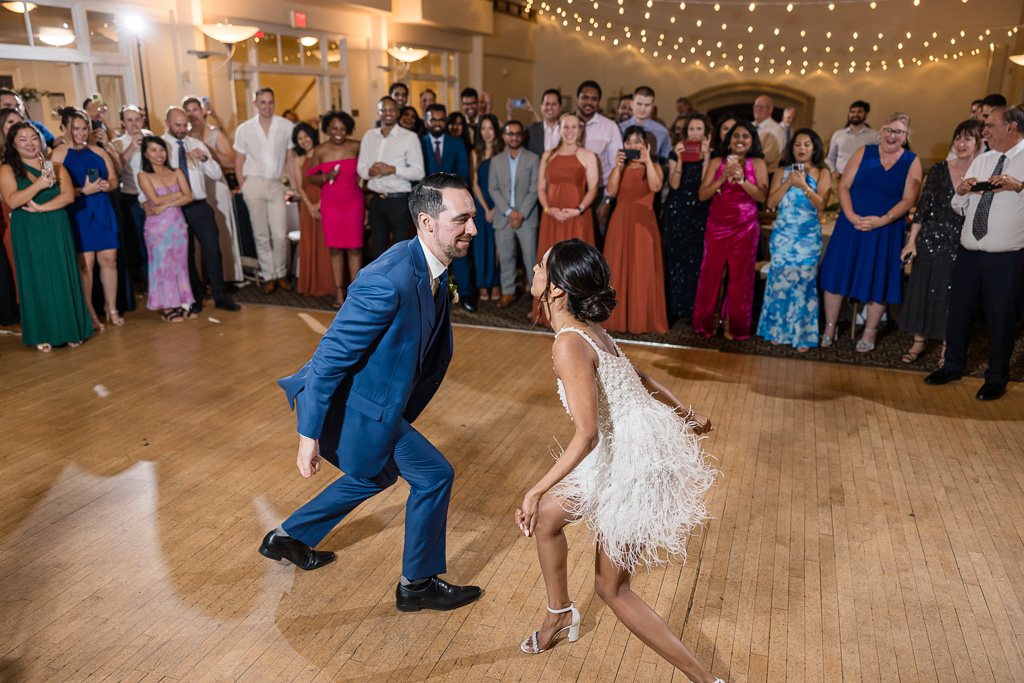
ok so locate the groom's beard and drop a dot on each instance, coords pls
(454, 251)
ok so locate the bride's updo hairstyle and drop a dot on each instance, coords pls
(579, 270)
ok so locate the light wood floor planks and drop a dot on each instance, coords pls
(867, 527)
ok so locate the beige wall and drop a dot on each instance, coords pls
(936, 96)
(509, 55)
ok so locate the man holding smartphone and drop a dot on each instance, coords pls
(989, 271)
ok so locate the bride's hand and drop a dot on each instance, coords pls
(526, 516)
(704, 425)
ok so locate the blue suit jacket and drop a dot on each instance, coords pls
(380, 362)
(454, 157)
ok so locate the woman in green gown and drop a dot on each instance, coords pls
(53, 309)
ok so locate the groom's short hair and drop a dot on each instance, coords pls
(427, 197)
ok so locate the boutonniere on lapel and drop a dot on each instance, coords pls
(453, 290)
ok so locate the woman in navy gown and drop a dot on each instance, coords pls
(485, 251)
(862, 261)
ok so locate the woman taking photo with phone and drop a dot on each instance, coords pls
(633, 242)
(53, 308)
(789, 314)
(735, 182)
(686, 215)
(93, 222)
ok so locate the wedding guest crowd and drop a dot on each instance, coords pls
(678, 211)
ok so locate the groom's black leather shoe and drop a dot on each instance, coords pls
(295, 551)
(942, 376)
(435, 594)
(990, 392)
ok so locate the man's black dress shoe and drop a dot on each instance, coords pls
(990, 392)
(942, 376)
(468, 305)
(295, 551)
(435, 594)
(197, 307)
(227, 304)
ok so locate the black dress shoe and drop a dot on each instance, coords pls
(942, 376)
(435, 594)
(227, 304)
(197, 307)
(295, 551)
(468, 305)
(990, 392)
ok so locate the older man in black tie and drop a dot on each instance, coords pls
(989, 270)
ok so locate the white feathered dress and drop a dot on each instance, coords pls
(642, 490)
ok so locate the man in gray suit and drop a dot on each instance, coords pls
(512, 184)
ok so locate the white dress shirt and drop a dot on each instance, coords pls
(401, 148)
(197, 174)
(129, 174)
(552, 135)
(434, 265)
(844, 143)
(772, 152)
(265, 152)
(1005, 216)
(603, 138)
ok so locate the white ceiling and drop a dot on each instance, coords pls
(830, 35)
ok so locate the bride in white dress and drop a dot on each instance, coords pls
(634, 472)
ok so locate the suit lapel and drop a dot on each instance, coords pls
(426, 300)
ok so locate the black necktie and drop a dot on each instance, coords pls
(183, 162)
(980, 227)
(437, 152)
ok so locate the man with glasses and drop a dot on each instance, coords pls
(988, 275)
(846, 141)
(470, 100)
(390, 160)
(512, 184)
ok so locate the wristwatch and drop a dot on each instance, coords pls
(580, 209)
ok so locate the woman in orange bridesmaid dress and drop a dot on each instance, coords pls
(315, 277)
(633, 243)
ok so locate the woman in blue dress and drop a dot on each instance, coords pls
(862, 260)
(93, 222)
(789, 314)
(485, 251)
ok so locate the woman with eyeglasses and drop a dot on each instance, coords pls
(862, 260)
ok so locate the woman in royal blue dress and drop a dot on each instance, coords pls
(789, 314)
(485, 251)
(93, 222)
(862, 261)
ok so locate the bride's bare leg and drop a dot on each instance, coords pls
(612, 586)
(553, 551)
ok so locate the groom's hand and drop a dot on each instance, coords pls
(309, 459)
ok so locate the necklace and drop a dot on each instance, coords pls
(960, 174)
(889, 162)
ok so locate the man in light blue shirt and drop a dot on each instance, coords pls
(643, 108)
(512, 184)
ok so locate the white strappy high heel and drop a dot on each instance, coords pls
(573, 628)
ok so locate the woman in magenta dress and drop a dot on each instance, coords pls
(342, 208)
(163, 191)
(633, 245)
(735, 182)
(315, 276)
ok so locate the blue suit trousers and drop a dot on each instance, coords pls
(430, 478)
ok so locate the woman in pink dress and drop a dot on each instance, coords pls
(342, 207)
(735, 182)
(163, 191)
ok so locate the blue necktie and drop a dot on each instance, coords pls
(183, 162)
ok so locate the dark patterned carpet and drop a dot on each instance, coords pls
(889, 349)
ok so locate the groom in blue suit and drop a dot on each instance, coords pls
(444, 153)
(374, 371)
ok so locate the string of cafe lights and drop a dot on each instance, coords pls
(700, 46)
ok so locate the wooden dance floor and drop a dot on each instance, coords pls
(867, 526)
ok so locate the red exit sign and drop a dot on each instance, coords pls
(298, 19)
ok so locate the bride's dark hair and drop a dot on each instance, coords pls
(579, 270)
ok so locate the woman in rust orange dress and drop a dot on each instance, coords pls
(566, 188)
(633, 243)
(315, 278)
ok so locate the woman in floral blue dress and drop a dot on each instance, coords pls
(789, 314)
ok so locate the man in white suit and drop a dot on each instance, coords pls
(512, 184)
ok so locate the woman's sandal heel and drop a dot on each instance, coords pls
(531, 647)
